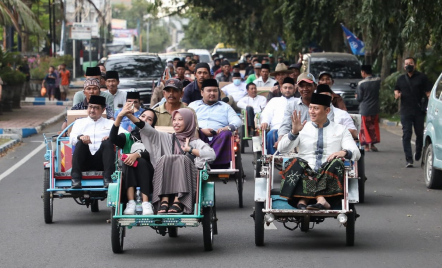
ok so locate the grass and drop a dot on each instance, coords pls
(3, 141)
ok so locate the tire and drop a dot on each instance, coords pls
(361, 173)
(241, 137)
(173, 231)
(259, 224)
(433, 177)
(48, 202)
(350, 228)
(117, 235)
(208, 228)
(305, 224)
(239, 180)
(94, 206)
(258, 164)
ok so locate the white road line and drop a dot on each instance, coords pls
(21, 162)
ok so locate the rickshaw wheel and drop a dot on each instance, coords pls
(208, 228)
(361, 173)
(258, 163)
(305, 224)
(48, 202)
(242, 140)
(350, 229)
(239, 179)
(117, 235)
(259, 224)
(173, 231)
(94, 206)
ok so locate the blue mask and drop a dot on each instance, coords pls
(237, 82)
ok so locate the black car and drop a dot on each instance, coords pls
(137, 71)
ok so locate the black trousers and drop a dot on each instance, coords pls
(250, 117)
(102, 160)
(417, 121)
(140, 176)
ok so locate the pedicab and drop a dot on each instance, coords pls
(57, 177)
(204, 214)
(270, 207)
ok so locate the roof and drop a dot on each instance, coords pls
(330, 54)
(132, 54)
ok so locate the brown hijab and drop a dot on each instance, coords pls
(189, 129)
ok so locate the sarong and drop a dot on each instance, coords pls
(370, 133)
(301, 181)
(272, 137)
(175, 175)
(221, 145)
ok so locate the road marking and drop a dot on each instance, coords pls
(21, 162)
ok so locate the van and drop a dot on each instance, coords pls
(226, 52)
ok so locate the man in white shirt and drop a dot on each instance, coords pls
(93, 149)
(112, 82)
(318, 171)
(235, 91)
(264, 80)
(253, 104)
(273, 113)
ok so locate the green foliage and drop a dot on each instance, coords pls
(10, 76)
(388, 104)
(41, 69)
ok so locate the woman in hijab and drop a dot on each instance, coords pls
(137, 167)
(176, 170)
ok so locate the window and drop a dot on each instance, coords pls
(339, 67)
(136, 67)
(439, 89)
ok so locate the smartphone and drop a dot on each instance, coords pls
(124, 156)
(213, 132)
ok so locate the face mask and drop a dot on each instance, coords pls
(187, 75)
(237, 82)
(409, 68)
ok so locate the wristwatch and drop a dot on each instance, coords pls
(79, 136)
(346, 152)
(228, 127)
(191, 149)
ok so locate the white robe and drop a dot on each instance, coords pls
(96, 130)
(237, 92)
(258, 103)
(316, 148)
(273, 113)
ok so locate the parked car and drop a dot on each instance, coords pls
(346, 71)
(432, 151)
(204, 55)
(138, 71)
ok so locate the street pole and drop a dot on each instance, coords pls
(147, 36)
(90, 52)
(74, 53)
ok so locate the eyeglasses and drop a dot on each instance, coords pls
(94, 107)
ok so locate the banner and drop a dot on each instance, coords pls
(356, 45)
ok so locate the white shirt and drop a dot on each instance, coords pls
(237, 92)
(315, 144)
(96, 130)
(273, 113)
(119, 98)
(343, 118)
(258, 103)
(260, 83)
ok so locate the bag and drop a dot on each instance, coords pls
(43, 91)
(137, 146)
(175, 141)
(423, 104)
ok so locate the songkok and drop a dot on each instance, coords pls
(209, 83)
(265, 66)
(181, 64)
(307, 77)
(321, 99)
(112, 75)
(288, 80)
(323, 88)
(202, 65)
(97, 100)
(93, 71)
(295, 66)
(185, 83)
(225, 63)
(133, 95)
(91, 82)
(236, 66)
(236, 75)
(173, 83)
(176, 59)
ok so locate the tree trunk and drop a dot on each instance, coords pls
(25, 36)
(399, 63)
(386, 63)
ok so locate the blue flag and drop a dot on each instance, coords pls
(356, 45)
(281, 43)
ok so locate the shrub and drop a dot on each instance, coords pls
(41, 66)
(388, 104)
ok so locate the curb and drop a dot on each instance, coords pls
(14, 139)
(389, 123)
(44, 101)
(26, 132)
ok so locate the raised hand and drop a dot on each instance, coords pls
(186, 147)
(297, 125)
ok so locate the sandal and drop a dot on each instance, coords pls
(177, 207)
(164, 208)
(374, 149)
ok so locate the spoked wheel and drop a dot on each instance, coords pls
(259, 224)
(239, 178)
(258, 163)
(173, 231)
(48, 201)
(117, 236)
(208, 228)
(350, 228)
(305, 224)
(215, 221)
(94, 205)
(361, 173)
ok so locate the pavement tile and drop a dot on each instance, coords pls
(29, 116)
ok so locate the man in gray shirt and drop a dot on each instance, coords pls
(367, 94)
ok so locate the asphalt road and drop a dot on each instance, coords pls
(400, 225)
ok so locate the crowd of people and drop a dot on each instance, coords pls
(300, 111)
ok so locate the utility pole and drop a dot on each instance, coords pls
(147, 36)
